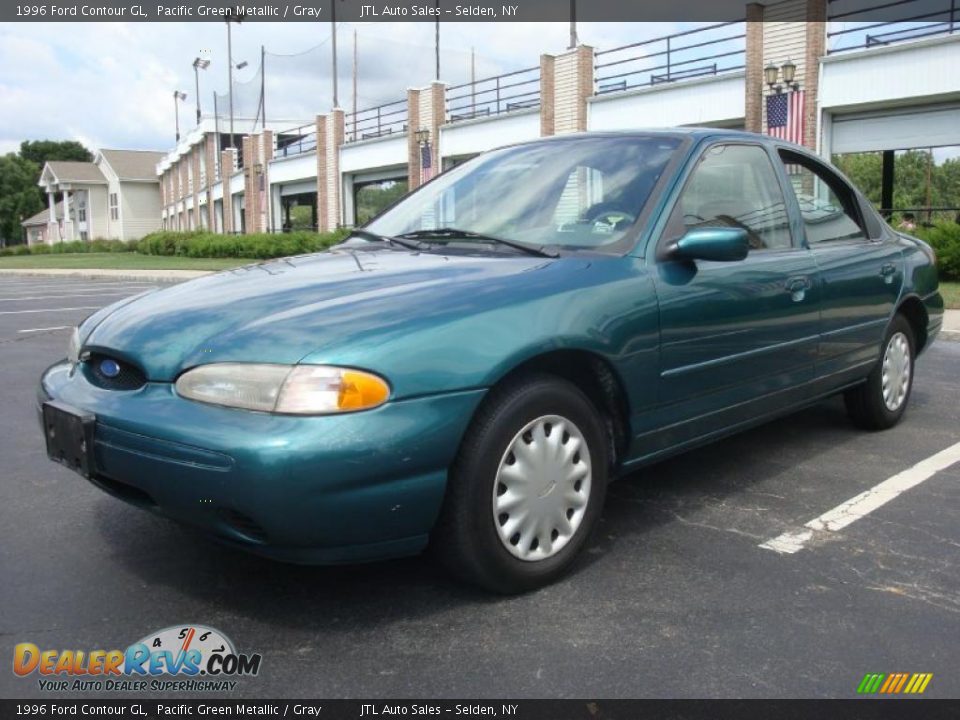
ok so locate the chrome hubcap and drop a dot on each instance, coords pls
(542, 488)
(895, 378)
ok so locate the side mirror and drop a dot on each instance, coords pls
(721, 244)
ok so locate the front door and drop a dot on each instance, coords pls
(734, 335)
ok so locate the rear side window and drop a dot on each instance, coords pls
(734, 186)
(828, 206)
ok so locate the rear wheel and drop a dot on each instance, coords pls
(880, 402)
(526, 488)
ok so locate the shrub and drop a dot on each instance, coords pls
(262, 246)
(944, 238)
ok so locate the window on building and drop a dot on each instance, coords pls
(735, 186)
(114, 207)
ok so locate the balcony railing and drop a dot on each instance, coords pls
(909, 20)
(377, 121)
(704, 51)
(517, 90)
(296, 141)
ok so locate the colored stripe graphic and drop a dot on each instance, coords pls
(894, 683)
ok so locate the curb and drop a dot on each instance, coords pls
(94, 274)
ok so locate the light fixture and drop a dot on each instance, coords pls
(789, 70)
(177, 97)
(241, 65)
(199, 64)
(422, 137)
(770, 74)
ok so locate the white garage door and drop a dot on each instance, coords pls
(934, 126)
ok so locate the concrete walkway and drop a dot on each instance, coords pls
(951, 325)
(95, 274)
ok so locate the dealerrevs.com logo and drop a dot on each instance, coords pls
(178, 658)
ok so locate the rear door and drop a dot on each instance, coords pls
(860, 265)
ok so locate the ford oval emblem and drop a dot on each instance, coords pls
(109, 368)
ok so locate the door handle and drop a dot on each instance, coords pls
(797, 287)
(888, 269)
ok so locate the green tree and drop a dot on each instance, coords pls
(40, 151)
(18, 195)
(918, 181)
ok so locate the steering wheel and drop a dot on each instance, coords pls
(610, 215)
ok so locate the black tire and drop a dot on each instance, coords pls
(466, 539)
(865, 403)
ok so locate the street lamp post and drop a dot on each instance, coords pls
(177, 97)
(198, 65)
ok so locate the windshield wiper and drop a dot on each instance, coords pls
(374, 237)
(450, 233)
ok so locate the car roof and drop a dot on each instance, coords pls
(694, 133)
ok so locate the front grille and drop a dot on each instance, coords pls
(130, 376)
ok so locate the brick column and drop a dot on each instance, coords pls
(195, 159)
(322, 184)
(816, 26)
(547, 94)
(754, 69)
(427, 111)
(564, 110)
(251, 181)
(413, 149)
(210, 158)
(266, 155)
(330, 137)
(226, 170)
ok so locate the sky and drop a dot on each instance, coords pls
(110, 85)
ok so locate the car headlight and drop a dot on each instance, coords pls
(73, 349)
(285, 389)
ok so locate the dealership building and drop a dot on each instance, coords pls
(798, 69)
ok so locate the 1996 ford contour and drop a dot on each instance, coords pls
(470, 369)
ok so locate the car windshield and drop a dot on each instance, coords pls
(579, 193)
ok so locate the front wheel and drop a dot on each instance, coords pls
(880, 402)
(527, 487)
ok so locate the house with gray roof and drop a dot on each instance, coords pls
(117, 196)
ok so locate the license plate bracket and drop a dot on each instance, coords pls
(69, 436)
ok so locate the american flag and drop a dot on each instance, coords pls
(426, 162)
(785, 116)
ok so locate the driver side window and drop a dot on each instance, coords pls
(734, 186)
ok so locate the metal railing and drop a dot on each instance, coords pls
(296, 141)
(377, 121)
(517, 90)
(924, 216)
(917, 21)
(709, 50)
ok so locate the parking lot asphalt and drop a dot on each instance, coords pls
(674, 598)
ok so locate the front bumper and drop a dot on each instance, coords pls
(340, 488)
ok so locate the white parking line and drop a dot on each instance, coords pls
(55, 327)
(864, 503)
(72, 288)
(60, 297)
(40, 310)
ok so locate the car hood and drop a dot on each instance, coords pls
(283, 310)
